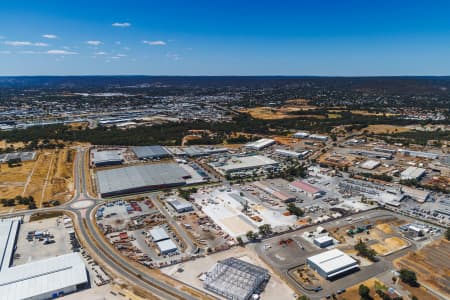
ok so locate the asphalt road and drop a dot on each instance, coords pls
(94, 241)
(383, 265)
(191, 248)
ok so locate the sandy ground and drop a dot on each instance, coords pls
(419, 292)
(108, 292)
(431, 264)
(353, 292)
(385, 128)
(386, 228)
(4, 144)
(277, 113)
(276, 288)
(49, 177)
(389, 245)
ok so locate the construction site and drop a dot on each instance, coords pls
(226, 278)
(233, 278)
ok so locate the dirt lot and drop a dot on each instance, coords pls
(431, 264)
(204, 236)
(389, 245)
(386, 228)
(283, 112)
(47, 178)
(353, 292)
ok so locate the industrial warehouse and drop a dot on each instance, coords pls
(43, 279)
(332, 263)
(150, 152)
(236, 279)
(244, 163)
(260, 144)
(102, 158)
(135, 179)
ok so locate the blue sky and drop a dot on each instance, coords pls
(314, 37)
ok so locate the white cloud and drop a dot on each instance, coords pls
(155, 43)
(24, 43)
(121, 24)
(94, 43)
(173, 56)
(49, 36)
(61, 52)
(100, 53)
(29, 52)
(118, 56)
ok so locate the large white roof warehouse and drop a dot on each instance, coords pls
(141, 178)
(43, 279)
(332, 263)
(245, 163)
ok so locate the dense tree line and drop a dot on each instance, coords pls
(172, 133)
(19, 200)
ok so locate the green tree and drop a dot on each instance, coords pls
(409, 277)
(251, 236)
(293, 209)
(365, 251)
(265, 229)
(364, 292)
(447, 234)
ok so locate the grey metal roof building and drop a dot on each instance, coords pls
(23, 156)
(236, 279)
(135, 179)
(150, 152)
(180, 205)
(167, 246)
(106, 157)
(158, 234)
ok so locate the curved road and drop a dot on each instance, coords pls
(94, 241)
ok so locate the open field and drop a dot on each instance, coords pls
(269, 113)
(353, 292)
(277, 113)
(47, 178)
(420, 292)
(4, 144)
(389, 245)
(78, 125)
(385, 128)
(431, 264)
(364, 113)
